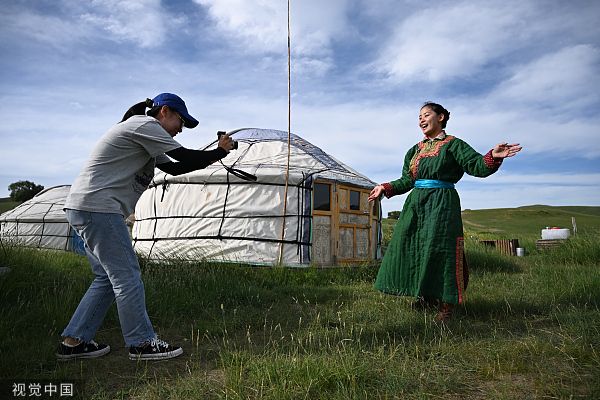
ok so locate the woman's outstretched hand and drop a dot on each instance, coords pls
(376, 192)
(505, 150)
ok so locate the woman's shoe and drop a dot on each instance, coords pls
(445, 312)
(424, 303)
(89, 349)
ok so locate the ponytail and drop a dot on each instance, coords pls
(138, 109)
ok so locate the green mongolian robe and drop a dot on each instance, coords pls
(425, 256)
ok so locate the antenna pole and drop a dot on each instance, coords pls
(287, 170)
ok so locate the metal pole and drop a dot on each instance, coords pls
(287, 170)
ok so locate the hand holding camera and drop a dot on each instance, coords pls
(226, 142)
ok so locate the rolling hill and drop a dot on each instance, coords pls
(529, 220)
(521, 222)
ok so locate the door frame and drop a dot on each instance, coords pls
(334, 213)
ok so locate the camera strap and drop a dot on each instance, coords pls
(234, 171)
(239, 173)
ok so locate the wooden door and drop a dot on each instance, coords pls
(353, 238)
(323, 223)
(345, 225)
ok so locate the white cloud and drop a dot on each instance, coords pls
(455, 40)
(260, 27)
(47, 29)
(365, 135)
(483, 122)
(319, 24)
(565, 79)
(140, 21)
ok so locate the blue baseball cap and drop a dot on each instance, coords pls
(176, 103)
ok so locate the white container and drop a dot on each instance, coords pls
(520, 252)
(555, 233)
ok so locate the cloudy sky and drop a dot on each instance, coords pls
(524, 71)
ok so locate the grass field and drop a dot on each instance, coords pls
(530, 327)
(6, 204)
(529, 221)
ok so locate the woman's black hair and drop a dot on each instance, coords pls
(438, 109)
(153, 111)
(140, 109)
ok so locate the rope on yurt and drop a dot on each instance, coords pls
(44, 215)
(287, 170)
(23, 209)
(154, 210)
(219, 236)
(69, 238)
(241, 238)
(298, 219)
(300, 237)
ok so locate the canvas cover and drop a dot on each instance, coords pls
(41, 223)
(213, 215)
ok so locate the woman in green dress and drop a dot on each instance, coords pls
(425, 257)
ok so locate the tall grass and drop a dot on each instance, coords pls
(530, 328)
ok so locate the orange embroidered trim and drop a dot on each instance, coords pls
(427, 149)
(388, 190)
(491, 162)
(460, 277)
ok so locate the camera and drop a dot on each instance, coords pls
(235, 143)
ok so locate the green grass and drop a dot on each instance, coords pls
(530, 328)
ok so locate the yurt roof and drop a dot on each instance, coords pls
(47, 205)
(264, 152)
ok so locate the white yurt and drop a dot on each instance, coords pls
(320, 217)
(41, 223)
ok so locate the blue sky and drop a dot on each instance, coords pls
(522, 71)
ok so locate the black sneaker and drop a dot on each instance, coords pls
(155, 349)
(89, 349)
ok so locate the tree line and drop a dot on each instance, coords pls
(23, 190)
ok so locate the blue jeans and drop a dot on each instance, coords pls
(118, 278)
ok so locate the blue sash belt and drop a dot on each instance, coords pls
(433, 184)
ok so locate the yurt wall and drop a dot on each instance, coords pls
(225, 220)
(213, 214)
(41, 223)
